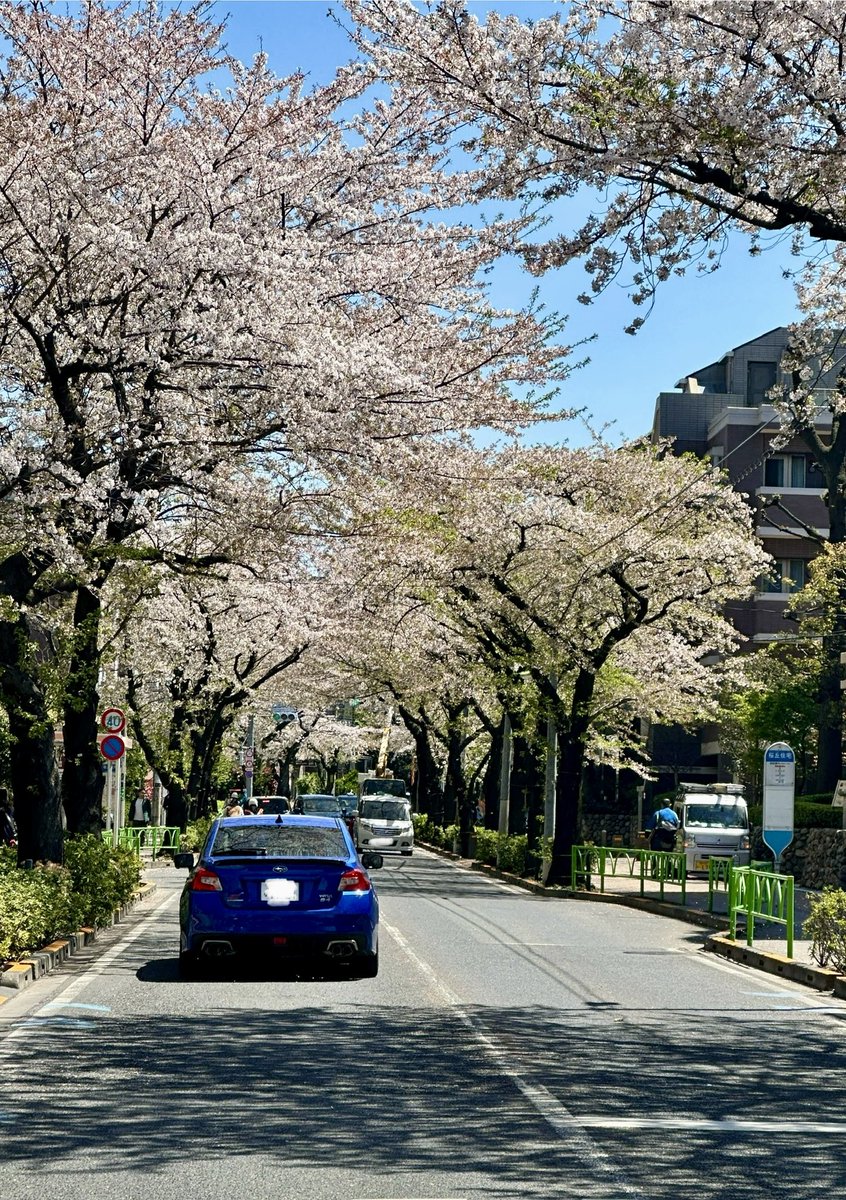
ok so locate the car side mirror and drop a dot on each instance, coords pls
(184, 861)
(371, 860)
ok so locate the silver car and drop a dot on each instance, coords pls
(384, 823)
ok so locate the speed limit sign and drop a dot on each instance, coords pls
(113, 720)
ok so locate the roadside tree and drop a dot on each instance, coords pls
(207, 272)
(683, 124)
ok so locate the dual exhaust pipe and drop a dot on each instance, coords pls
(340, 948)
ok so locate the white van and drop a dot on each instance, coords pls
(714, 824)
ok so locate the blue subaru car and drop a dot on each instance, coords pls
(286, 886)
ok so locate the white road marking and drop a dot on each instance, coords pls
(549, 1107)
(68, 995)
(715, 1125)
(71, 1004)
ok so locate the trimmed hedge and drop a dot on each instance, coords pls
(509, 852)
(806, 815)
(50, 901)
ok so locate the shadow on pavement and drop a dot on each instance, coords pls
(382, 1089)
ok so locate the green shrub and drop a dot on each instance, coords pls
(36, 906)
(308, 784)
(44, 903)
(196, 832)
(423, 827)
(511, 852)
(826, 927)
(486, 841)
(806, 815)
(103, 878)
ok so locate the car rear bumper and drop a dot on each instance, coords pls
(211, 944)
(376, 841)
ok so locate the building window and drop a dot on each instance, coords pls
(760, 377)
(793, 471)
(787, 575)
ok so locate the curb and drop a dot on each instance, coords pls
(35, 965)
(819, 978)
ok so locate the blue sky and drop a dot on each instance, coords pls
(694, 321)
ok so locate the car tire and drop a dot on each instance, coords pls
(189, 966)
(368, 966)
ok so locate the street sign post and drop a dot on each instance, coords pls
(113, 747)
(779, 787)
(113, 720)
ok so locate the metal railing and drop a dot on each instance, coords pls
(151, 838)
(665, 867)
(719, 872)
(762, 894)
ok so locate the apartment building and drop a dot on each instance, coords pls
(722, 410)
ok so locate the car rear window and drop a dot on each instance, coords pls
(280, 841)
(274, 804)
(391, 810)
(320, 804)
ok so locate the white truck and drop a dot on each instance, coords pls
(714, 824)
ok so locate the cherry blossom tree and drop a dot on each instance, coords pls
(594, 577)
(683, 124)
(208, 272)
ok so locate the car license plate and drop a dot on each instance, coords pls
(280, 891)
(701, 864)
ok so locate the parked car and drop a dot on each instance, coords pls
(349, 808)
(384, 823)
(714, 824)
(315, 802)
(272, 805)
(292, 888)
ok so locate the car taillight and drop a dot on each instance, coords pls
(205, 881)
(354, 881)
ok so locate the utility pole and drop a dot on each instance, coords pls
(250, 757)
(550, 776)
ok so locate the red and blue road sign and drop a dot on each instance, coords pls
(112, 747)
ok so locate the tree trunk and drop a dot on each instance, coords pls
(430, 797)
(33, 774)
(571, 761)
(490, 783)
(82, 779)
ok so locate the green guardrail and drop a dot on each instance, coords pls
(719, 872)
(665, 867)
(153, 838)
(762, 894)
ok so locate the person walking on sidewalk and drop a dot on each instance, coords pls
(663, 826)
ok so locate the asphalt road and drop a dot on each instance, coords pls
(511, 1047)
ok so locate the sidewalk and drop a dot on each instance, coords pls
(768, 936)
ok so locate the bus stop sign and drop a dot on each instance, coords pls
(779, 787)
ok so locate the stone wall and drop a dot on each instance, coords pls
(603, 828)
(816, 858)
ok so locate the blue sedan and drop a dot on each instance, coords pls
(290, 886)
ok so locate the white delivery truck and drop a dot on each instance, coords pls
(714, 824)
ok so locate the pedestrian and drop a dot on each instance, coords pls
(234, 810)
(663, 826)
(142, 813)
(252, 809)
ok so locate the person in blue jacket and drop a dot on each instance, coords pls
(663, 826)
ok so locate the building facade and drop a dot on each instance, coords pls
(723, 411)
